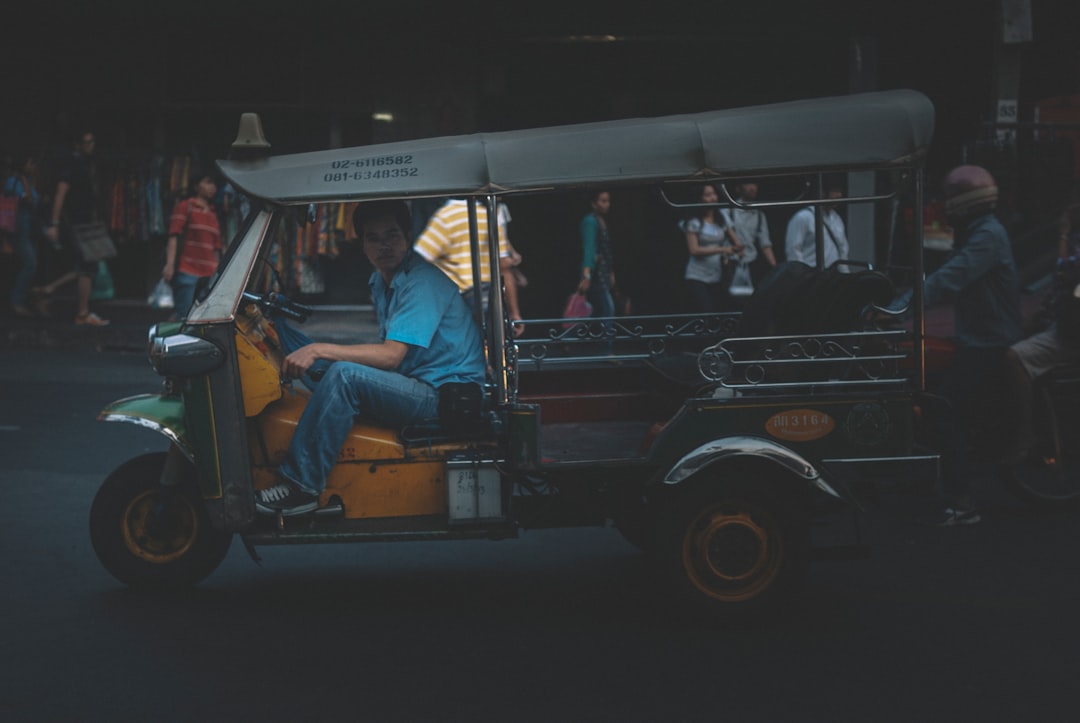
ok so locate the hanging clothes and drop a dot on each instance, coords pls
(154, 197)
(144, 205)
(116, 206)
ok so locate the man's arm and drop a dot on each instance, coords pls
(508, 259)
(694, 247)
(52, 231)
(968, 264)
(178, 222)
(506, 266)
(387, 356)
(763, 240)
(795, 240)
(843, 248)
(169, 270)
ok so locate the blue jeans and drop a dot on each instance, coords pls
(291, 339)
(28, 261)
(603, 304)
(183, 291)
(347, 391)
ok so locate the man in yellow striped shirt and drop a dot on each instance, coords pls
(445, 243)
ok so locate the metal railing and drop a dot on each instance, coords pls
(561, 342)
(862, 358)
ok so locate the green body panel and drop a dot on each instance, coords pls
(861, 426)
(173, 416)
(164, 413)
(168, 328)
(199, 410)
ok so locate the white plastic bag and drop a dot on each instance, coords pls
(161, 297)
(742, 283)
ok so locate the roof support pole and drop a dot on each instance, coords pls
(497, 326)
(477, 293)
(819, 224)
(918, 313)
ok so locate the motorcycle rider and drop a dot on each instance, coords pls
(981, 281)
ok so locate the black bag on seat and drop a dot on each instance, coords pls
(770, 310)
(799, 299)
(461, 407)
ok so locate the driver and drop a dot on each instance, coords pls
(428, 340)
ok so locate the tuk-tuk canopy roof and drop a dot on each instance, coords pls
(872, 130)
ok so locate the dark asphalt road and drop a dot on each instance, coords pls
(565, 625)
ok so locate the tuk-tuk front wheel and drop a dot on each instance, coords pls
(733, 549)
(147, 535)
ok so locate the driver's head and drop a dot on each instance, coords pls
(970, 191)
(369, 210)
(383, 228)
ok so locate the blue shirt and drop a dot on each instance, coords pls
(424, 309)
(981, 279)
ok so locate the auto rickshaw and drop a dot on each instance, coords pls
(710, 442)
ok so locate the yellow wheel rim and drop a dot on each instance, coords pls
(159, 537)
(732, 552)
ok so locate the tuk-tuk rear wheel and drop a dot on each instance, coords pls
(149, 536)
(733, 548)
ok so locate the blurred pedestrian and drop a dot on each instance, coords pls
(752, 228)
(193, 249)
(21, 186)
(75, 201)
(714, 250)
(445, 243)
(598, 258)
(800, 241)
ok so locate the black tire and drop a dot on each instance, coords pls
(1050, 479)
(1050, 476)
(733, 549)
(143, 546)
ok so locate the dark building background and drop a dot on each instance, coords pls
(174, 79)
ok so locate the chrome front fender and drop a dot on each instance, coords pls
(164, 415)
(753, 447)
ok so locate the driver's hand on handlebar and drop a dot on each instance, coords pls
(299, 362)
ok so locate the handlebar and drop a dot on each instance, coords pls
(278, 305)
(273, 303)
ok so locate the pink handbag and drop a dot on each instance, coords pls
(577, 307)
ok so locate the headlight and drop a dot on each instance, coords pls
(183, 355)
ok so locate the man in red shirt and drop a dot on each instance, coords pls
(194, 246)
